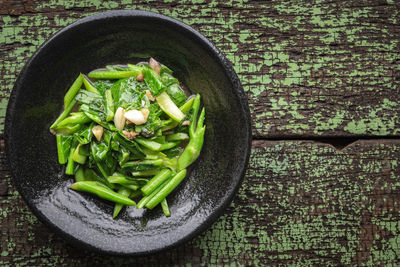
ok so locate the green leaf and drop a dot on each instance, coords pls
(99, 150)
(128, 93)
(85, 135)
(92, 103)
(153, 81)
(103, 85)
(167, 79)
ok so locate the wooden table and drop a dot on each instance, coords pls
(323, 83)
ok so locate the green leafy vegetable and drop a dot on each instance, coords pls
(122, 135)
(128, 94)
(176, 94)
(153, 81)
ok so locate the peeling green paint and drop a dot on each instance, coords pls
(308, 68)
(382, 120)
(330, 124)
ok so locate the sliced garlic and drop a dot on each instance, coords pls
(155, 65)
(135, 116)
(185, 123)
(149, 95)
(145, 113)
(98, 131)
(119, 118)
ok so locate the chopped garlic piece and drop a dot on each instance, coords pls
(98, 131)
(135, 116)
(119, 118)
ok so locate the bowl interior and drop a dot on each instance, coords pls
(126, 37)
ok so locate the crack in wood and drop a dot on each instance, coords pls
(338, 142)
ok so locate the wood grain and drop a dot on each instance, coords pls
(302, 202)
(309, 68)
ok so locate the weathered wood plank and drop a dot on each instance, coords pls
(301, 203)
(310, 68)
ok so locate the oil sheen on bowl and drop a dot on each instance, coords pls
(120, 37)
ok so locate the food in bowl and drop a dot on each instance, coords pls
(129, 132)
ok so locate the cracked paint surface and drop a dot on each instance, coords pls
(309, 69)
(300, 204)
(323, 59)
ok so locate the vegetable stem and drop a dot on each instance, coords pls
(165, 208)
(73, 90)
(144, 173)
(77, 156)
(80, 175)
(117, 208)
(135, 68)
(102, 192)
(169, 107)
(74, 118)
(70, 169)
(147, 198)
(61, 150)
(168, 145)
(177, 137)
(156, 181)
(196, 133)
(170, 123)
(64, 114)
(113, 74)
(109, 106)
(89, 86)
(166, 190)
(152, 145)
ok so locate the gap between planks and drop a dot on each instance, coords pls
(338, 143)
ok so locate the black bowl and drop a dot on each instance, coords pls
(124, 37)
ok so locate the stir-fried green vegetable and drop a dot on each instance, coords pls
(132, 134)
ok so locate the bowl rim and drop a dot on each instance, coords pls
(205, 43)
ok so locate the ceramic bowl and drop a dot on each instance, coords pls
(126, 37)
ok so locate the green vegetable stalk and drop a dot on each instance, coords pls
(109, 105)
(122, 135)
(73, 90)
(169, 107)
(165, 208)
(113, 74)
(156, 181)
(166, 190)
(147, 198)
(70, 169)
(103, 192)
(117, 208)
(80, 175)
(89, 86)
(64, 114)
(196, 133)
(63, 147)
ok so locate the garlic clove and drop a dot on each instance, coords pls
(186, 123)
(98, 131)
(135, 116)
(145, 113)
(119, 118)
(149, 95)
(155, 65)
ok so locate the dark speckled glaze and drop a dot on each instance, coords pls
(122, 37)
